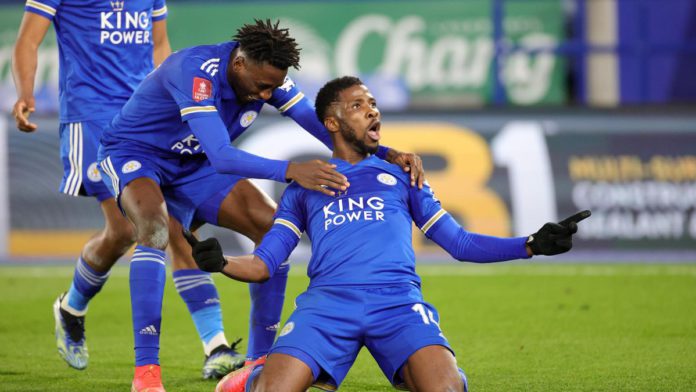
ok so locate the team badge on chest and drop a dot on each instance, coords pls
(386, 179)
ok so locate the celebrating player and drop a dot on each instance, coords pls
(169, 151)
(106, 49)
(363, 288)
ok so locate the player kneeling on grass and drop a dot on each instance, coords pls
(363, 288)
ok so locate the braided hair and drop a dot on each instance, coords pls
(264, 42)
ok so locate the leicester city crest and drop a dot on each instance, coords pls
(248, 118)
(130, 167)
(386, 179)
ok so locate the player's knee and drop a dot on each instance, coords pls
(261, 227)
(451, 387)
(268, 384)
(265, 225)
(452, 383)
(456, 383)
(153, 233)
(263, 221)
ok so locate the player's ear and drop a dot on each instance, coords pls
(238, 63)
(331, 123)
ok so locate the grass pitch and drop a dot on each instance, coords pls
(515, 327)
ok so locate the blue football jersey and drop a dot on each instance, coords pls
(192, 83)
(361, 237)
(105, 50)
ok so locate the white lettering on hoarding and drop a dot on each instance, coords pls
(630, 225)
(450, 61)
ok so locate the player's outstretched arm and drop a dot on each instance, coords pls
(551, 239)
(472, 247)
(556, 238)
(209, 257)
(24, 60)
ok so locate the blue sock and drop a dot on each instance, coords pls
(197, 289)
(147, 277)
(266, 305)
(254, 373)
(85, 285)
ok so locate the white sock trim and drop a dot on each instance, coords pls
(214, 342)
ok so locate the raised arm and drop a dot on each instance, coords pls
(24, 60)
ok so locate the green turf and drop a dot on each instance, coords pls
(515, 327)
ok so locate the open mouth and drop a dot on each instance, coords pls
(373, 131)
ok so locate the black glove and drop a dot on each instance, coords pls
(555, 238)
(207, 253)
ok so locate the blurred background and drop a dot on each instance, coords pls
(525, 111)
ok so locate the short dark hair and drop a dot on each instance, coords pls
(329, 93)
(265, 42)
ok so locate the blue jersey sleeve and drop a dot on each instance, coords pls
(286, 231)
(193, 86)
(159, 10)
(291, 102)
(439, 226)
(45, 8)
(226, 158)
(425, 207)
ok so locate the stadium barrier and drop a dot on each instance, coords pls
(501, 173)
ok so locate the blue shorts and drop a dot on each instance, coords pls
(331, 324)
(192, 189)
(79, 143)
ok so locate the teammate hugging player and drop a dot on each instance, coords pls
(169, 151)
